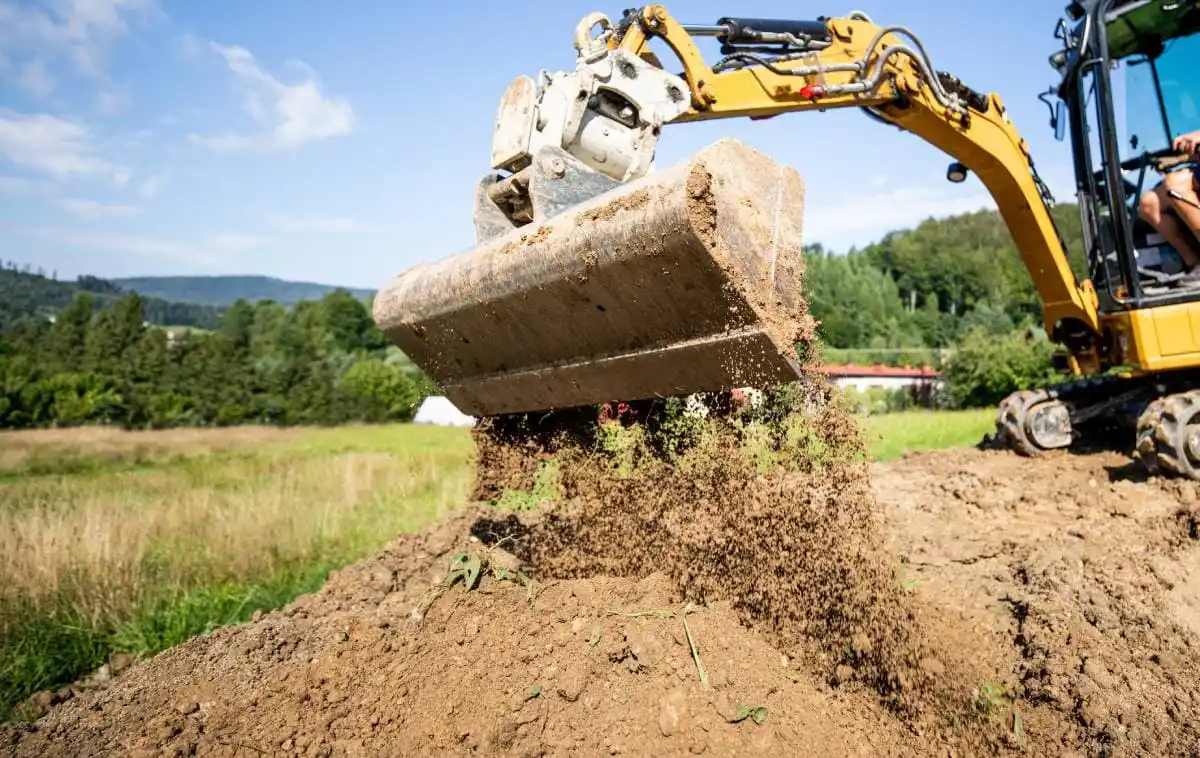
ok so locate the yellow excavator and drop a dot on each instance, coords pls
(599, 278)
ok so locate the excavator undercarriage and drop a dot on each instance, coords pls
(598, 279)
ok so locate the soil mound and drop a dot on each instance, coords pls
(376, 664)
(1081, 567)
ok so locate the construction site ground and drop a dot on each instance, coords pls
(1073, 575)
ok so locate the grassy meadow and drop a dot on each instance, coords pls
(132, 542)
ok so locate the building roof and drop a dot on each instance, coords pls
(879, 370)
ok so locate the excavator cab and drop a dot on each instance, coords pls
(1131, 84)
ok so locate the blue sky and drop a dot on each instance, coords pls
(342, 143)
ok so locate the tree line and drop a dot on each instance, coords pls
(929, 287)
(318, 362)
(94, 353)
(25, 291)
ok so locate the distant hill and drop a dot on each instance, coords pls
(222, 291)
(26, 293)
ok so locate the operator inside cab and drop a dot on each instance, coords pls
(1173, 208)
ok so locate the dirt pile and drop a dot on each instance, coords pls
(1087, 572)
(592, 666)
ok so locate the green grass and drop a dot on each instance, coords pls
(890, 435)
(134, 542)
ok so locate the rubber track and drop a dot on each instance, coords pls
(1146, 446)
(1170, 435)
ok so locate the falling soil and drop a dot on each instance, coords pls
(770, 512)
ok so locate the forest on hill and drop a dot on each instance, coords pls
(951, 292)
(929, 286)
(223, 291)
(28, 292)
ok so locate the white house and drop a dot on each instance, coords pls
(439, 411)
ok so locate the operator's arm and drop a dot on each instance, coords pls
(1187, 143)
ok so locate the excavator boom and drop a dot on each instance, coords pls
(598, 279)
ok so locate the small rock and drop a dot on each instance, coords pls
(562, 636)
(584, 592)
(1098, 672)
(1187, 493)
(578, 624)
(672, 711)
(573, 683)
(725, 706)
(120, 662)
(862, 643)
(534, 710)
(189, 707)
(644, 646)
(717, 678)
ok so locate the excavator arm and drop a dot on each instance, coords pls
(597, 278)
(852, 63)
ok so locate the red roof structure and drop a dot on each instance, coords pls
(905, 372)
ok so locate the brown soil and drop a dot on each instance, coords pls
(1085, 574)
(609, 210)
(1065, 580)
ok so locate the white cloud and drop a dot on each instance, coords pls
(190, 45)
(94, 211)
(214, 252)
(865, 217)
(19, 185)
(52, 145)
(76, 32)
(237, 243)
(153, 185)
(122, 243)
(323, 225)
(296, 114)
(35, 79)
(110, 102)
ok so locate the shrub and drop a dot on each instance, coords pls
(380, 391)
(987, 366)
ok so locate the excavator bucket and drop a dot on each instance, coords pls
(685, 280)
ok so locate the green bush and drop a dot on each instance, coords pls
(380, 391)
(987, 366)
